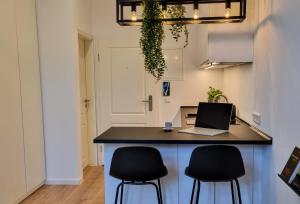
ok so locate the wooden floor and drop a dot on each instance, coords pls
(91, 191)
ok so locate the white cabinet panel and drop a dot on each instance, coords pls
(12, 169)
(31, 93)
(174, 61)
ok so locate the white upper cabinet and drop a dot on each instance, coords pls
(232, 42)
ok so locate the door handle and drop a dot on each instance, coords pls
(150, 101)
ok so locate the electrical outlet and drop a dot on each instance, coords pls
(256, 118)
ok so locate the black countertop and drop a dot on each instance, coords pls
(238, 134)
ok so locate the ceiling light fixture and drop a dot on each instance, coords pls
(164, 9)
(228, 8)
(133, 13)
(196, 10)
(191, 18)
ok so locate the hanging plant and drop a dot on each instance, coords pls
(178, 11)
(152, 37)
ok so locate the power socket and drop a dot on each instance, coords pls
(256, 117)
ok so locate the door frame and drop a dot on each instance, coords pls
(91, 87)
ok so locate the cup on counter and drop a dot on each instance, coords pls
(168, 126)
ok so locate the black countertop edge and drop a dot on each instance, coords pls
(289, 185)
(174, 142)
(256, 129)
(267, 139)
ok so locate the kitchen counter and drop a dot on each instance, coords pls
(241, 133)
(176, 149)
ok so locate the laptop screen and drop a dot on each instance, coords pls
(214, 115)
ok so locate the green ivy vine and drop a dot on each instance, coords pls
(152, 35)
(178, 11)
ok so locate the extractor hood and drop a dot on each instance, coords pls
(220, 65)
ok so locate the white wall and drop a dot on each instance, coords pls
(83, 15)
(271, 86)
(196, 82)
(187, 92)
(58, 22)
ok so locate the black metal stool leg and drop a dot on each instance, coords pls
(198, 192)
(117, 193)
(157, 192)
(192, 196)
(232, 192)
(122, 189)
(160, 193)
(239, 191)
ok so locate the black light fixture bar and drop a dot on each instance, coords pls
(228, 4)
(133, 7)
(175, 2)
(164, 5)
(196, 5)
(122, 4)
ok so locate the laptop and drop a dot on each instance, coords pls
(212, 119)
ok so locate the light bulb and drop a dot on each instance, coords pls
(164, 12)
(196, 14)
(228, 12)
(133, 12)
(196, 10)
(133, 16)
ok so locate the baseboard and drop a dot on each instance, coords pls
(64, 181)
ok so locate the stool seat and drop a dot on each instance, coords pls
(138, 166)
(142, 175)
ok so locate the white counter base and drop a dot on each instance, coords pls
(176, 186)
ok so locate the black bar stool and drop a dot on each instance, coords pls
(138, 166)
(217, 163)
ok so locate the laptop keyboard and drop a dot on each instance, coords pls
(203, 131)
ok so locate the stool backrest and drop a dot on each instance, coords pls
(217, 162)
(137, 160)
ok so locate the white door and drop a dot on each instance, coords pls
(84, 103)
(133, 91)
